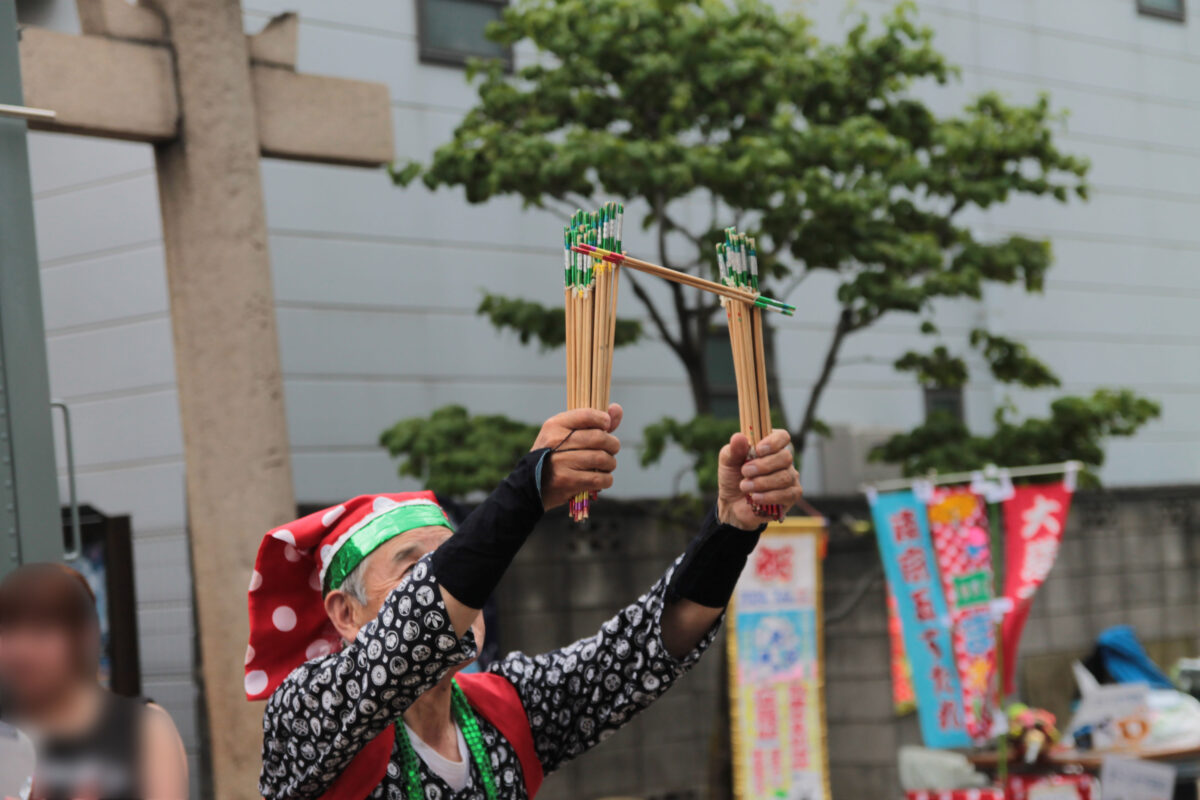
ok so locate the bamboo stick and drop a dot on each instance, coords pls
(760, 374)
(570, 345)
(598, 339)
(730, 292)
(738, 343)
(738, 263)
(615, 273)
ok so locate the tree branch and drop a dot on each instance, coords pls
(578, 202)
(659, 322)
(686, 340)
(565, 210)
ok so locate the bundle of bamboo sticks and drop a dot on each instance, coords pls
(721, 290)
(737, 260)
(590, 300)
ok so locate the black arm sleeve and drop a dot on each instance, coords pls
(712, 563)
(471, 562)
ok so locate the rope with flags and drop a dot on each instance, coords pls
(590, 302)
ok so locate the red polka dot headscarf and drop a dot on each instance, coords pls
(299, 563)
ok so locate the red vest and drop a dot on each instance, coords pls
(492, 697)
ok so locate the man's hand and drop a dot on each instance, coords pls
(584, 453)
(769, 479)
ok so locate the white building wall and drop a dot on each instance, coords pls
(376, 286)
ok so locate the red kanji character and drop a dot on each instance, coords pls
(904, 525)
(772, 564)
(948, 718)
(941, 680)
(924, 605)
(913, 568)
(765, 713)
(931, 639)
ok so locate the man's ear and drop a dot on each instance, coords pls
(341, 609)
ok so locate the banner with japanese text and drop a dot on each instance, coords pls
(958, 523)
(1034, 519)
(776, 667)
(902, 531)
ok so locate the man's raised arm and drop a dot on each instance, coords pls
(576, 695)
(574, 452)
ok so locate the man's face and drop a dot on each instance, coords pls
(389, 563)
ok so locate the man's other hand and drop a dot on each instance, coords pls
(584, 453)
(769, 479)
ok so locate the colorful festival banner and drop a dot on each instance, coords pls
(776, 668)
(959, 525)
(904, 700)
(1034, 519)
(902, 531)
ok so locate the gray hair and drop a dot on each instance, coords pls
(352, 585)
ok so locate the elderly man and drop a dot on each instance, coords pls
(363, 615)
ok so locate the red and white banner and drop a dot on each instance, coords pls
(1021, 787)
(959, 525)
(1034, 519)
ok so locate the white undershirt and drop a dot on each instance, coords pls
(456, 774)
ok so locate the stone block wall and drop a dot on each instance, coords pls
(1129, 556)
(566, 582)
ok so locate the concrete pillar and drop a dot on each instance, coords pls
(30, 524)
(226, 358)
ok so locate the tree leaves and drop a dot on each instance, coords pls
(1075, 429)
(937, 369)
(822, 148)
(1011, 361)
(701, 438)
(821, 144)
(454, 453)
(532, 320)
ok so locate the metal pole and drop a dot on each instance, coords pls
(25, 112)
(990, 471)
(30, 520)
(76, 546)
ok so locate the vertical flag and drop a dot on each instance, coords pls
(958, 522)
(1034, 518)
(902, 531)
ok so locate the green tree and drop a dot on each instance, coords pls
(454, 453)
(821, 150)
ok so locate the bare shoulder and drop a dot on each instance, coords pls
(158, 719)
(164, 759)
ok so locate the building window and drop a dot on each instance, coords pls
(946, 400)
(452, 31)
(1170, 9)
(722, 380)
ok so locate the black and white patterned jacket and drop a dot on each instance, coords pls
(575, 697)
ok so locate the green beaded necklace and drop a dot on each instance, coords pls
(470, 729)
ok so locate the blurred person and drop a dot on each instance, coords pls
(363, 615)
(90, 743)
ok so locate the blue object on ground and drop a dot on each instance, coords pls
(1125, 659)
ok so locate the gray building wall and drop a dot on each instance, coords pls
(376, 286)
